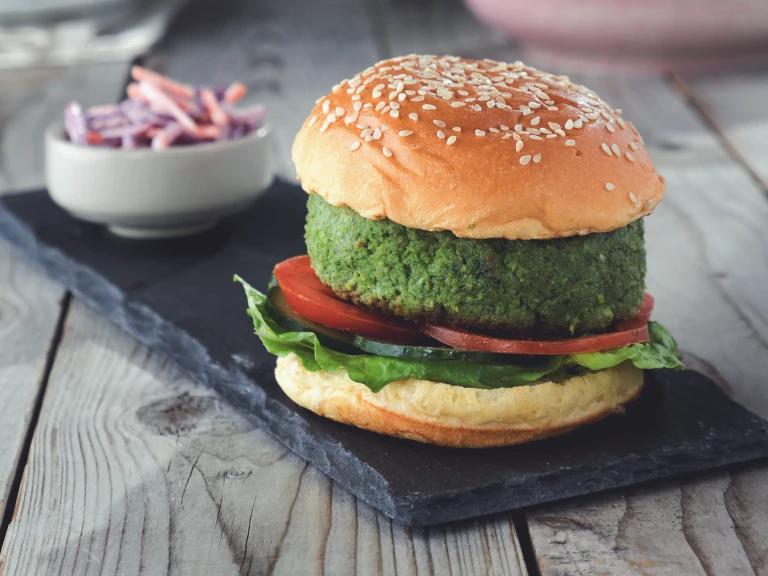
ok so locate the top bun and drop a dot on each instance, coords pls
(484, 149)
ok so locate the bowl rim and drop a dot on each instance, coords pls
(53, 134)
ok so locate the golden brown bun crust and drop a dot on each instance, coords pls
(448, 415)
(476, 185)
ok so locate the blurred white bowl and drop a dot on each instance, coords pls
(641, 34)
(146, 193)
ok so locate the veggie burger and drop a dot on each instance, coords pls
(476, 265)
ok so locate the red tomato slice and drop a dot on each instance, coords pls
(314, 300)
(630, 332)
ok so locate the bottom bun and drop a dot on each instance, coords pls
(449, 415)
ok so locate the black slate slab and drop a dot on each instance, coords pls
(177, 297)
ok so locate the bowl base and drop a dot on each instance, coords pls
(149, 233)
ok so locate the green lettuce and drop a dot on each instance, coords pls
(378, 371)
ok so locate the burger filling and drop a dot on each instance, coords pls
(560, 287)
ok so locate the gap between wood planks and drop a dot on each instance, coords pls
(702, 110)
(50, 359)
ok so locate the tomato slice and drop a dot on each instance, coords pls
(631, 332)
(314, 300)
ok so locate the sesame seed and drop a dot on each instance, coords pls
(405, 132)
(605, 115)
(578, 123)
(537, 159)
(518, 127)
(451, 140)
(417, 99)
(312, 121)
(610, 128)
(385, 109)
(494, 130)
(401, 96)
(377, 134)
(340, 111)
(551, 135)
(615, 150)
(504, 127)
(609, 186)
(534, 137)
(324, 127)
(650, 204)
(456, 104)
(630, 157)
(440, 134)
(366, 132)
(569, 124)
(394, 105)
(357, 106)
(326, 106)
(387, 152)
(535, 121)
(439, 123)
(380, 105)
(606, 149)
(525, 159)
(554, 126)
(429, 107)
(456, 128)
(368, 138)
(621, 122)
(542, 130)
(570, 142)
(591, 116)
(633, 197)
(413, 116)
(331, 118)
(355, 145)
(394, 113)
(518, 146)
(633, 145)
(376, 94)
(356, 97)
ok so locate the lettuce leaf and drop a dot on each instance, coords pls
(378, 371)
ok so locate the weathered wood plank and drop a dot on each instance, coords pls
(29, 312)
(31, 99)
(735, 103)
(134, 468)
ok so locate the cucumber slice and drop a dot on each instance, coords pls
(279, 310)
(437, 352)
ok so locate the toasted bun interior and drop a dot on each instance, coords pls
(454, 416)
(484, 149)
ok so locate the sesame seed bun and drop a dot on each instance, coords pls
(484, 149)
(454, 416)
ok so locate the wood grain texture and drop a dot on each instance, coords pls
(735, 103)
(29, 312)
(32, 99)
(135, 469)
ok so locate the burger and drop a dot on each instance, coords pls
(475, 268)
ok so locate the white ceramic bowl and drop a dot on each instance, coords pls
(646, 35)
(147, 193)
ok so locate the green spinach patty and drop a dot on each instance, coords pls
(565, 286)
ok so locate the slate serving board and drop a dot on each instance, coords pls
(177, 297)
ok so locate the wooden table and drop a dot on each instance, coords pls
(111, 461)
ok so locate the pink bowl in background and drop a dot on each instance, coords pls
(641, 34)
